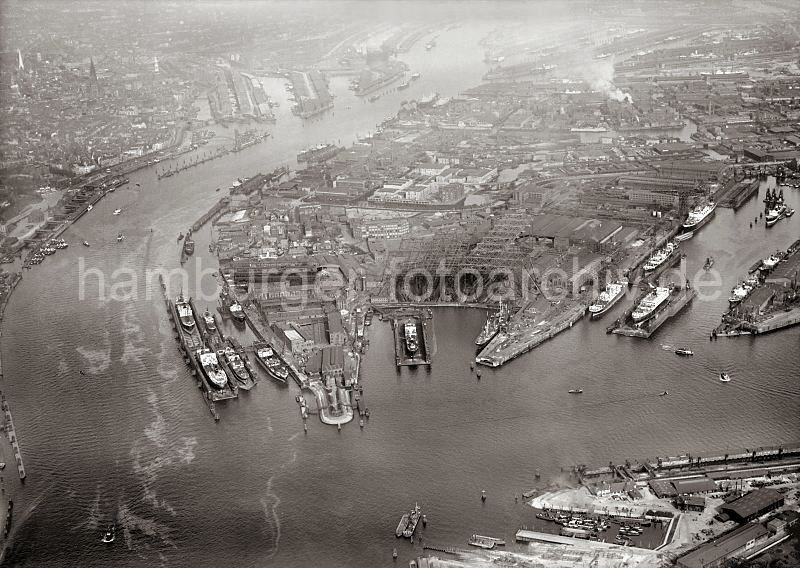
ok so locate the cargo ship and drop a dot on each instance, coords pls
(210, 365)
(413, 519)
(185, 313)
(659, 257)
(270, 362)
(607, 298)
(648, 306)
(318, 153)
(699, 216)
(235, 365)
(412, 341)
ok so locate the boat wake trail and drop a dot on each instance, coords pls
(270, 504)
(666, 347)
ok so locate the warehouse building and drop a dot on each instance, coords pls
(753, 505)
(717, 552)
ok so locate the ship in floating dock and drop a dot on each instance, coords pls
(209, 364)
(411, 337)
(648, 306)
(185, 315)
(236, 366)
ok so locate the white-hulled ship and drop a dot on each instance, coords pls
(770, 262)
(775, 214)
(649, 304)
(185, 314)
(211, 368)
(659, 257)
(412, 341)
(699, 216)
(607, 298)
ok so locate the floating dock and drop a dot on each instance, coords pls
(404, 358)
(678, 299)
(12, 436)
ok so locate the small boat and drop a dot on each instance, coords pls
(664, 393)
(117, 211)
(684, 351)
(575, 391)
(86, 243)
(684, 236)
(725, 377)
(208, 319)
(90, 207)
(483, 495)
(394, 553)
(789, 212)
(120, 238)
(709, 263)
(180, 237)
(110, 534)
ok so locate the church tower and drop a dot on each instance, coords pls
(94, 91)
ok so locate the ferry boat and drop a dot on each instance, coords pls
(188, 245)
(607, 298)
(659, 257)
(410, 332)
(318, 153)
(684, 351)
(211, 369)
(236, 311)
(650, 304)
(699, 216)
(401, 526)
(110, 534)
(210, 321)
(413, 519)
(185, 314)
(270, 362)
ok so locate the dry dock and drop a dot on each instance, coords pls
(678, 299)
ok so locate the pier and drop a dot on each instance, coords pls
(679, 298)
(11, 433)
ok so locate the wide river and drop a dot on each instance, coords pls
(131, 435)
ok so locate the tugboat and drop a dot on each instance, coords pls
(180, 237)
(709, 263)
(188, 245)
(211, 323)
(86, 243)
(110, 534)
(664, 393)
(684, 351)
(724, 377)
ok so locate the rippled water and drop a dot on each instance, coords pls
(132, 436)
